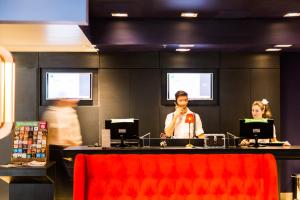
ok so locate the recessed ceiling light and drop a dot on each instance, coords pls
(292, 15)
(183, 50)
(273, 49)
(119, 14)
(283, 45)
(186, 45)
(189, 14)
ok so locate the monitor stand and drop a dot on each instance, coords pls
(256, 144)
(122, 141)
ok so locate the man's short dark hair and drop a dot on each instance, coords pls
(180, 93)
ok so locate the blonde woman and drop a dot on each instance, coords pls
(261, 110)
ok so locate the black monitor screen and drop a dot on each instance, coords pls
(130, 130)
(262, 129)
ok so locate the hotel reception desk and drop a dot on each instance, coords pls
(178, 151)
(229, 158)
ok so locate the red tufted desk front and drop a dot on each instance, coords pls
(175, 176)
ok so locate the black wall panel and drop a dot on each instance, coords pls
(265, 83)
(235, 102)
(189, 60)
(249, 60)
(145, 98)
(72, 60)
(129, 60)
(114, 89)
(290, 107)
(26, 86)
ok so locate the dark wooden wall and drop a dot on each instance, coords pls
(129, 85)
(290, 108)
(28, 67)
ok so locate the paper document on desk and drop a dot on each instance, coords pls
(35, 164)
(130, 120)
(105, 141)
(8, 165)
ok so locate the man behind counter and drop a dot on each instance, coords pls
(175, 124)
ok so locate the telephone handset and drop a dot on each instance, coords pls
(177, 106)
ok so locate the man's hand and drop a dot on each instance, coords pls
(245, 142)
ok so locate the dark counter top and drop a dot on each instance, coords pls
(280, 152)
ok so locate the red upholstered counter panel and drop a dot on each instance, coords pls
(175, 176)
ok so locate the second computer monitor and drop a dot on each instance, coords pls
(127, 130)
(256, 129)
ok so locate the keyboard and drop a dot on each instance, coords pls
(272, 144)
(130, 142)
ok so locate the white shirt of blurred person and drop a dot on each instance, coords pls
(261, 110)
(63, 124)
(175, 125)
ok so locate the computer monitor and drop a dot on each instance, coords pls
(123, 129)
(256, 129)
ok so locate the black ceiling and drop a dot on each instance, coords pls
(228, 25)
(216, 9)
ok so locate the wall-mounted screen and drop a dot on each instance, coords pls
(75, 85)
(68, 83)
(199, 86)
